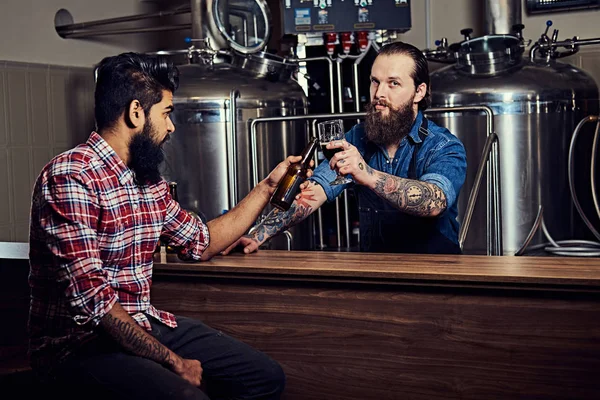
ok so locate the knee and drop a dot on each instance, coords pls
(274, 382)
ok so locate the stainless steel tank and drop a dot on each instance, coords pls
(536, 106)
(229, 82)
(199, 155)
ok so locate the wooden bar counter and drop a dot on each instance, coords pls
(382, 326)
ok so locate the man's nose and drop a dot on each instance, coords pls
(380, 93)
(170, 126)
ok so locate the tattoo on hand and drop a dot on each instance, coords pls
(412, 196)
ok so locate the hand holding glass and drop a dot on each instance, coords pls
(328, 132)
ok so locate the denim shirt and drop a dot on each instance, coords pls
(441, 160)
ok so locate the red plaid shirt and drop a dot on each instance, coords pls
(92, 238)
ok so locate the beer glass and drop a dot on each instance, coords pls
(330, 131)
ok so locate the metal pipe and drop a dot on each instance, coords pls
(565, 43)
(576, 42)
(338, 68)
(593, 167)
(197, 23)
(332, 109)
(254, 122)
(245, 28)
(232, 147)
(497, 191)
(314, 132)
(532, 51)
(85, 25)
(534, 228)
(428, 24)
(315, 117)
(331, 88)
(356, 87)
(242, 16)
(290, 238)
(475, 189)
(103, 32)
(501, 15)
(571, 168)
(255, 28)
(494, 217)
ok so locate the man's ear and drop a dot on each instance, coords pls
(135, 115)
(420, 93)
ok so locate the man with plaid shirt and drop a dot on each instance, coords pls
(98, 212)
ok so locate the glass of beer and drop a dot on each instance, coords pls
(330, 131)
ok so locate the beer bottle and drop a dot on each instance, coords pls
(290, 183)
(173, 190)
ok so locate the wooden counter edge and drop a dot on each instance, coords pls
(503, 272)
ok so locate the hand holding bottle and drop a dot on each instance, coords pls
(297, 171)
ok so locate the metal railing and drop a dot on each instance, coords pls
(489, 160)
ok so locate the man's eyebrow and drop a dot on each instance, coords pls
(394, 78)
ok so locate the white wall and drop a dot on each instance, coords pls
(28, 34)
(30, 26)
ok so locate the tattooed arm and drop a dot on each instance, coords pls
(311, 197)
(134, 339)
(413, 197)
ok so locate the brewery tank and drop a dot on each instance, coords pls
(536, 105)
(197, 154)
(220, 92)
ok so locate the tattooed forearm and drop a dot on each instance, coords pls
(411, 196)
(135, 340)
(278, 221)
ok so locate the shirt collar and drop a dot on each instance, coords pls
(414, 131)
(110, 158)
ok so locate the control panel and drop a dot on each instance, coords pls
(302, 16)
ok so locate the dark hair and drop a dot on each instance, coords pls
(421, 72)
(130, 76)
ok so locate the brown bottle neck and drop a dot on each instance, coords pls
(308, 152)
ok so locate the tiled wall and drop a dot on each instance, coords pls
(44, 110)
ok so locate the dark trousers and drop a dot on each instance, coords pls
(231, 369)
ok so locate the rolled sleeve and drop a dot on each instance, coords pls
(69, 211)
(185, 231)
(443, 183)
(447, 170)
(322, 175)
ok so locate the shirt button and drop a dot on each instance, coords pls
(135, 206)
(145, 298)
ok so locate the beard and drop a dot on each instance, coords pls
(385, 130)
(146, 156)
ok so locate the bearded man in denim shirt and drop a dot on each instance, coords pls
(407, 171)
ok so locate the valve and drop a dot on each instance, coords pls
(330, 42)
(346, 39)
(466, 33)
(363, 40)
(518, 30)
